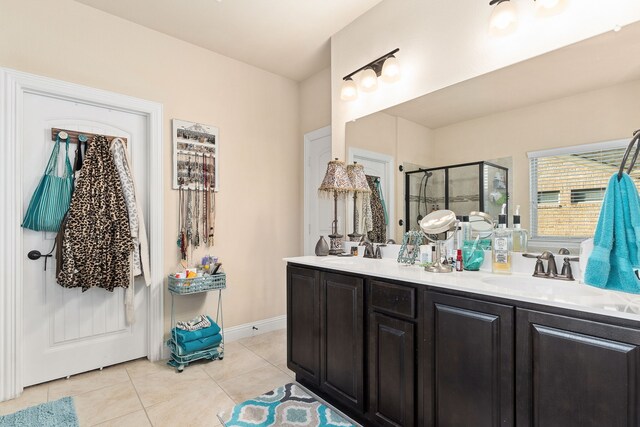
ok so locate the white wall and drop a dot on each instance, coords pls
(445, 42)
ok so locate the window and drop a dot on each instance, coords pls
(568, 186)
(548, 197)
(587, 195)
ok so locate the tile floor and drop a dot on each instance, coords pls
(140, 393)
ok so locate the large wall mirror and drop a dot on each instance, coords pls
(584, 93)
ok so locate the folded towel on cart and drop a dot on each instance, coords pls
(198, 322)
(199, 344)
(182, 336)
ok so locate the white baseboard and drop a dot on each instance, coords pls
(235, 333)
(247, 330)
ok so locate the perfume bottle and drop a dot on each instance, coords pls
(502, 245)
(520, 235)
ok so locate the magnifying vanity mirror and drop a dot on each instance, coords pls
(481, 224)
(439, 226)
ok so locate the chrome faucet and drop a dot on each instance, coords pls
(370, 252)
(552, 269)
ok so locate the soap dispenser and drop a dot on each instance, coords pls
(502, 245)
(520, 235)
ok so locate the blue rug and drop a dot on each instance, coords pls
(286, 406)
(59, 413)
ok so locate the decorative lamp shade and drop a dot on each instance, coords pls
(336, 178)
(358, 178)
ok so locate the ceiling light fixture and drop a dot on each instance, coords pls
(387, 67)
(504, 17)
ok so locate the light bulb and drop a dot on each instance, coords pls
(548, 4)
(503, 18)
(349, 91)
(369, 80)
(391, 70)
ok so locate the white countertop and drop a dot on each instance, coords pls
(520, 287)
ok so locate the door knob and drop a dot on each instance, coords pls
(36, 255)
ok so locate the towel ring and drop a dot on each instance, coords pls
(635, 140)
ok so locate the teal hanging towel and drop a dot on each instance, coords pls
(616, 252)
(51, 199)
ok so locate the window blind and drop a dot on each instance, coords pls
(567, 188)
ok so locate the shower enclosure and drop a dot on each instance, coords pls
(463, 188)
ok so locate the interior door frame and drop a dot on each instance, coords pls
(309, 139)
(13, 86)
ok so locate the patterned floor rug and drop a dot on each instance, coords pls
(59, 413)
(286, 406)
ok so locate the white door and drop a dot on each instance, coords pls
(318, 209)
(67, 331)
(381, 166)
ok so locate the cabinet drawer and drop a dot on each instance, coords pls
(395, 299)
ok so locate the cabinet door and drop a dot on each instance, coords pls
(303, 323)
(391, 371)
(341, 345)
(573, 372)
(469, 362)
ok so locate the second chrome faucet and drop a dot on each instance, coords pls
(552, 269)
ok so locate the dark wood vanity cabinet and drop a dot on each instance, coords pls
(392, 354)
(342, 338)
(574, 372)
(325, 336)
(408, 355)
(469, 362)
(303, 323)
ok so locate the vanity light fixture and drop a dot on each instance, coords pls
(504, 16)
(349, 90)
(386, 67)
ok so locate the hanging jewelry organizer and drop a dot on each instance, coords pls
(195, 175)
(195, 156)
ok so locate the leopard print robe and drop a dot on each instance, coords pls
(97, 239)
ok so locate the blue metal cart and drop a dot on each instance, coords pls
(206, 283)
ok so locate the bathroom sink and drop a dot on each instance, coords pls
(543, 287)
(340, 260)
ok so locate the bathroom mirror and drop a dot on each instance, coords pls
(580, 94)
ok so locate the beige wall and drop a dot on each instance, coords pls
(601, 115)
(402, 139)
(256, 111)
(315, 101)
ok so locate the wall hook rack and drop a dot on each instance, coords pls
(73, 135)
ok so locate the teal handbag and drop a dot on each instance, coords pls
(51, 199)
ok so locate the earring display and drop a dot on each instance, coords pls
(195, 156)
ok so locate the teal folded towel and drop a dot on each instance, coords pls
(182, 336)
(617, 239)
(199, 344)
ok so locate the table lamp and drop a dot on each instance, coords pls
(335, 181)
(359, 185)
